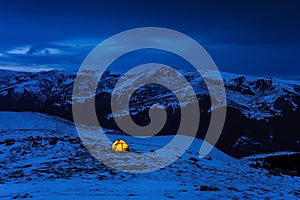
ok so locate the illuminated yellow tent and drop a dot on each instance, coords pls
(120, 146)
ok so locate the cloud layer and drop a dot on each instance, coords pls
(257, 37)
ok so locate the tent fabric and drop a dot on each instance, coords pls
(120, 146)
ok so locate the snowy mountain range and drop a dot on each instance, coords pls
(262, 114)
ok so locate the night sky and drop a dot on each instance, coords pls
(244, 37)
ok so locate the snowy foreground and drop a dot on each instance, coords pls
(42, 157)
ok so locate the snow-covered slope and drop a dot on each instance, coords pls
(41, 157)
(262, 113)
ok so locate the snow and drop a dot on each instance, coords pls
(48, 161)
(256, 102)
(257, 156)
(255, 97)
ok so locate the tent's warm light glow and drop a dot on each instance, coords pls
(120, 146)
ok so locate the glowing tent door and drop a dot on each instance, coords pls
(120, 146)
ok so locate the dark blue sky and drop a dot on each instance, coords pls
(245, 37)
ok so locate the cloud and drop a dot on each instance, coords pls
(27, 68)
(35, 50)
(19, 50)
(78, 42)
(67, 55)
(44, 51)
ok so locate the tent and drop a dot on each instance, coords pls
(120, 146)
